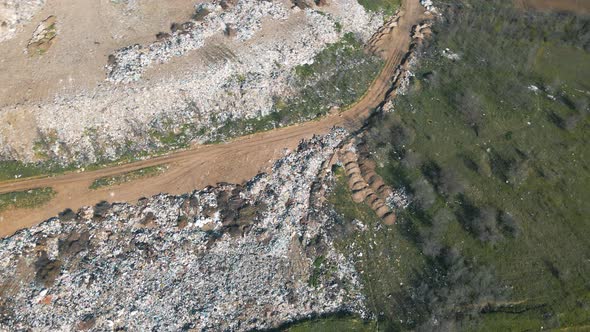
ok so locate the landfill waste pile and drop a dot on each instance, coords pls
(241, 21)
(230, 257)
(231, 61)
(15, 13)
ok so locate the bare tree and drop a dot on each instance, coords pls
(485, 225)
(450, 183)
(412, 160)
(401, 135)
(581, 105)
(508, 224)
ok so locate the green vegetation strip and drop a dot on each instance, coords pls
(114, 180)
(333, 324)
(492, 144)
(26, 199)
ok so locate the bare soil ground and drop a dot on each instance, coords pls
(200, 166)
(87, 32)
(575, 6)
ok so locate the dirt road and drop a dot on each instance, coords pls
(234, 162)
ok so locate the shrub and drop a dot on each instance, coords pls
(517, 172)
(424, 195)
(412, 160)
(454, 290)
(449, 183)
(485, 225)
(581, 105)
(432, 237)
(470, 106)
(571, 122)
(508, 224)
(441, 219)
(401, 135)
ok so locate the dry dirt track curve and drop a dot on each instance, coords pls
(234, 162)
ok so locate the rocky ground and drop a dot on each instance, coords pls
(229, 257)
(229, 62)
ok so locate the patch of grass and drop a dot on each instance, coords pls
(497, 172)
(11, 169)
(143, 173)
(173, 139)
(388, 7)
(26, 199)
(40, 47)
(333, 324)
(341, 198)
(548, 64)
(317, 270)
(338, 26)
(168, 140)
(51, 31)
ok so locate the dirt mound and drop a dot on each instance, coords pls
(366, 185)
(43, 37)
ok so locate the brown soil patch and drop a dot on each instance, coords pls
(46, 300)
(89, 30)
(19, 127)
(234, 162)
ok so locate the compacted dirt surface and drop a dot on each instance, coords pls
(87, 31)
(232, 162)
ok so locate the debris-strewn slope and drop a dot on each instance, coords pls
(230, 257)
(14, 13)
(231, 64)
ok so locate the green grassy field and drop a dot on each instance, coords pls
(496, 238)
(26, 199)
(10, 170)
